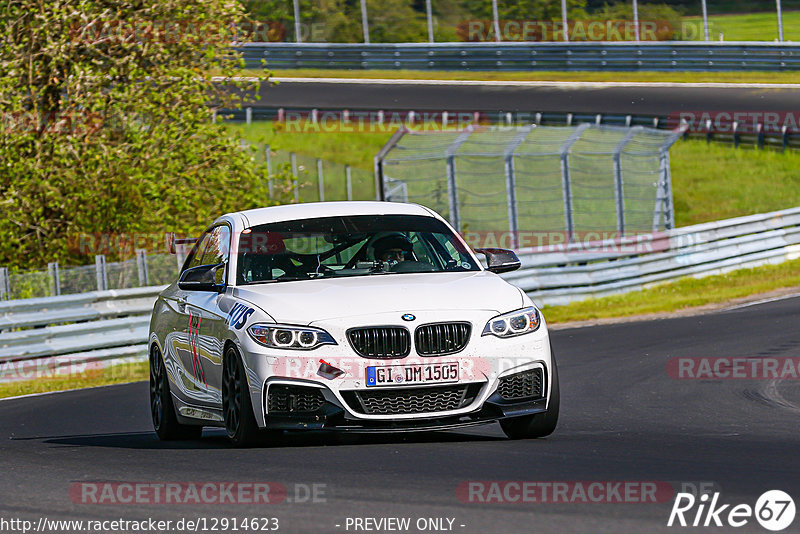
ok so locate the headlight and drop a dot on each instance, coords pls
(278, 336)
(514, 323)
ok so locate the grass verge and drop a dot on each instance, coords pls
(115, 374)
(709, 181)
(681, 294)
(749, 26)
(550, 76)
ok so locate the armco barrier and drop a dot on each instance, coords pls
(74, 330)
(609, 267)
(596, 56)
(113, 325)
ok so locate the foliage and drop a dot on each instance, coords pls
(668, 18)
(405, 21)
(107, 127)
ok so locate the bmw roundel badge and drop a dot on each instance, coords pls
(408, 317)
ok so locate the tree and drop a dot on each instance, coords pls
(107, 126)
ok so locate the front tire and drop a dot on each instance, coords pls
(162, 409)
(240, 423)
(541, 424)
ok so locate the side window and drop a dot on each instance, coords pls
(218, 245)
(217, 249)
(196, 255)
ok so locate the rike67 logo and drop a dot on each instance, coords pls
(774, 510)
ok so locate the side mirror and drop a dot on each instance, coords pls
(500, 260)
(201, 278)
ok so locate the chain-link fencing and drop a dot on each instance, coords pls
(535, 185)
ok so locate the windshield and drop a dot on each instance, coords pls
(361, 245)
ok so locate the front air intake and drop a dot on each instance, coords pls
(380, 341)
(441, 338)
(524, 385)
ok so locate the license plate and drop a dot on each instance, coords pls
(426, 373)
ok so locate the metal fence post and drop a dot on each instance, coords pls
(429, 16)
(364, 21)
(511, 185)
(5, 284)
(102, 274)
(511, 198)
(566, 184)
(380, 179)
(669, 218)
(141, 267)
(619, 195)
(55, 278)
(268, 159)
(348, 182)
(452, 192)
(180, 257)
(296, 186)
(661, 194)
(298, 37)
(320, 181)
(452, 183)
(496, 22)
(705, 20)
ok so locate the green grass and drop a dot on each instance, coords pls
(681, 294)
(117, 374)
(748, 27)
(357, 149)
(716, 181)
(643, 76)
(709, 181)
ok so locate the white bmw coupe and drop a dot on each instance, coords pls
(346, 316)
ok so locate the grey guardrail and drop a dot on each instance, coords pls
(581, 270)
(611, 56)
(112, 326)
(71, 333)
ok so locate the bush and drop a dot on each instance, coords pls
(107, 125)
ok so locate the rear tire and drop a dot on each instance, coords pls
(240, 422)
(162, 409)
(537, 425)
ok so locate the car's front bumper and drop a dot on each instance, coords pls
(333, 417)
(483, 363)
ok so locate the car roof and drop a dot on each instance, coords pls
(314, 210)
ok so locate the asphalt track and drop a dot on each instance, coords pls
(623, 419)
(635, 99)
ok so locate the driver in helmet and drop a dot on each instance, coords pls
(393, 249)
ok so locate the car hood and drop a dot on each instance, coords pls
(302, 302)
